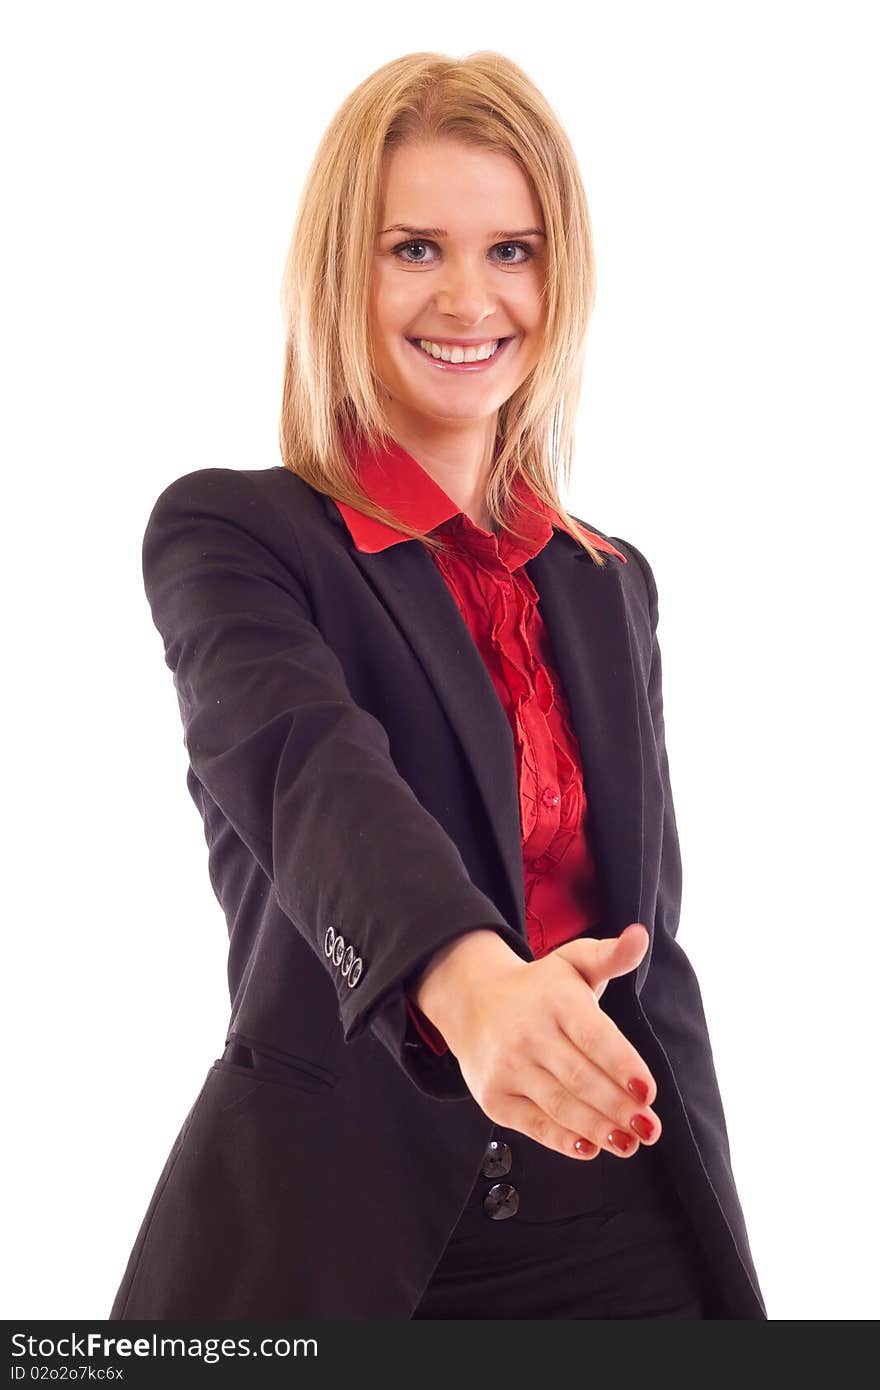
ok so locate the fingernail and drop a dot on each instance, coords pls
(638, 1089)
(643, 1127)
(621, 1141)
(584, 1146)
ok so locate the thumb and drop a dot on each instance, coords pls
(598, 961)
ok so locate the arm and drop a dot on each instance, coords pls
(669, 894)
(670, 995)
(303, 774)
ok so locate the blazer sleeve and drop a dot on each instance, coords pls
(302, 773)
(423, 1030)
(670, 994)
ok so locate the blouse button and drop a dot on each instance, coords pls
(550, 796)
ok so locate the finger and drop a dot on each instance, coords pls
(575, 1116)
(600, 1111)
(599, 960)
(522, 1114)
(597, 1039)
(588, 1084)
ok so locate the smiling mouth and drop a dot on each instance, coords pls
(454, 358)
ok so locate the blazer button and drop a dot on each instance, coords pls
(501, 1201)
(356, 972)
(329, 939)
(347, 959)
(338, 950)
(497, 1159)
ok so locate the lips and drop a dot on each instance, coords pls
(468, 368)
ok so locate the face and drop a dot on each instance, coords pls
(459, 260)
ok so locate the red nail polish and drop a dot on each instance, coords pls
(584, 1146)
(620, 1140)
(638, 1089)
(643, 1127)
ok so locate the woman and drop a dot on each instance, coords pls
(423, 711)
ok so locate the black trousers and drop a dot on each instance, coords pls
(545, 1236)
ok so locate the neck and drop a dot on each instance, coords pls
(457, 456)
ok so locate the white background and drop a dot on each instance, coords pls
(153, 157)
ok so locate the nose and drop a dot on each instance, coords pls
(464, 294)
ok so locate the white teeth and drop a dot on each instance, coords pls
(458, 354)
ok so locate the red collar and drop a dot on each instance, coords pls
(397, 481)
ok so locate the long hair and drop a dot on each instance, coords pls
(330, 389)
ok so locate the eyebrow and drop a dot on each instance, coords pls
(441, 232)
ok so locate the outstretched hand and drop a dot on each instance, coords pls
(536, 1051)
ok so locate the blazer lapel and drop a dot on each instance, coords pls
(415, 592)
(585, 613)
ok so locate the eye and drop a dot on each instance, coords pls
(516, 246)
(406, 246)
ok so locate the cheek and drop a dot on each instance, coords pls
(530, 318)
(533, 307)
(392, 301)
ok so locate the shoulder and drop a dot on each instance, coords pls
(268, 503)
(265, 522)
(636, 575)
(248, 488)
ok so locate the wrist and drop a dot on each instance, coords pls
(454, 974)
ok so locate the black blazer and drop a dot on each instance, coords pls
(354, 770)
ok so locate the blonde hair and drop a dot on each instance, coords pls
(330, 388)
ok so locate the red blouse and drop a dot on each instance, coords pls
(497, 600)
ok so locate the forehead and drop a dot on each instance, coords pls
(445, 182)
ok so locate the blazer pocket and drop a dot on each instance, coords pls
(268, 1065)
